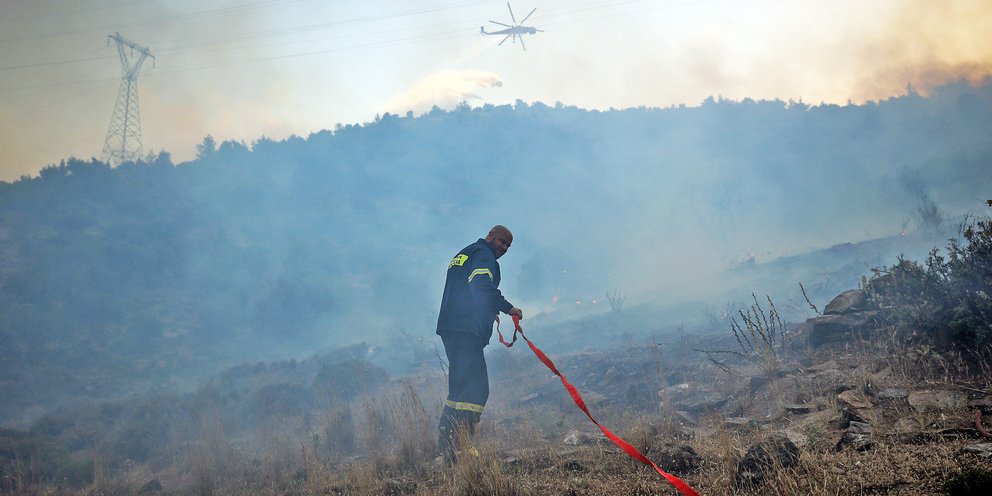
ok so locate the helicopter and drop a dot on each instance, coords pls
(515, 31)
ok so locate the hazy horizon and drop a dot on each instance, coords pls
(241, 70)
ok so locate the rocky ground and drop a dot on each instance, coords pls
(832, 406)
(835, 408)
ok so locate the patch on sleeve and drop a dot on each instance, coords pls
(458, 261)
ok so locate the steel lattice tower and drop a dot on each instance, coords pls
(123, 142)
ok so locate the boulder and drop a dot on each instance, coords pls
(830, 329)
(852, 399)
(855, 407)
(857, 436)
(937, 399)
(829, 381)
(892, 396)
(677, 458)
(850, 301)
(761, 459)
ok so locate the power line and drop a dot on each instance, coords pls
(72, 12)
(433, 36)
(292, 30)
(223, 11)
(52, 63)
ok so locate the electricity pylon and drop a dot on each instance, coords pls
(123, 142)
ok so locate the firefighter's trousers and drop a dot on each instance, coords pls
(468, 389)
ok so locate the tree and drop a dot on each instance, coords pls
(207, 148)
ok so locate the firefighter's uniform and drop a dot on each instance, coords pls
(469, 307)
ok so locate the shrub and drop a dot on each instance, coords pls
(345, 380)
(28, 459)
(971, 481)
(948, 299)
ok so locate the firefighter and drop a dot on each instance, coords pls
(469, 306)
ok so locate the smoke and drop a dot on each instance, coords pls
(444, 89)
(926, 44)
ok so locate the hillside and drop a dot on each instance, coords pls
(887, 406)
(154, 275)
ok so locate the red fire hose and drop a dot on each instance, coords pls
(632, 451)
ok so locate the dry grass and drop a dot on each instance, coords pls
(384, 442)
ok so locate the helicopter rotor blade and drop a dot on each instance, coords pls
(528, 16)
(522, 43)
(501, 24)
(511, 13)
(504, 39)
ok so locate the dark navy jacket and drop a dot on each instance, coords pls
(471, 298)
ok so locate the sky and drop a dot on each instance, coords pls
(245, 69)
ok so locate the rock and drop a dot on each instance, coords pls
(937, 399)
(892, 395)
(983, 404)
(855, 407)
(851, 399)
(798, 438)
(763, 458)
(674, 391)
(740, 423)
(982, 449)
(857, 436)
(799, 409)
(678, 459)
(757, 382)
(958, 433)
(529, 397)
(851, 301)
(576, 438)
(828, 381)
(701, 401)
(938, 435)
(152, 486)
(833, 329)
(686, 418)
(859, 428)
